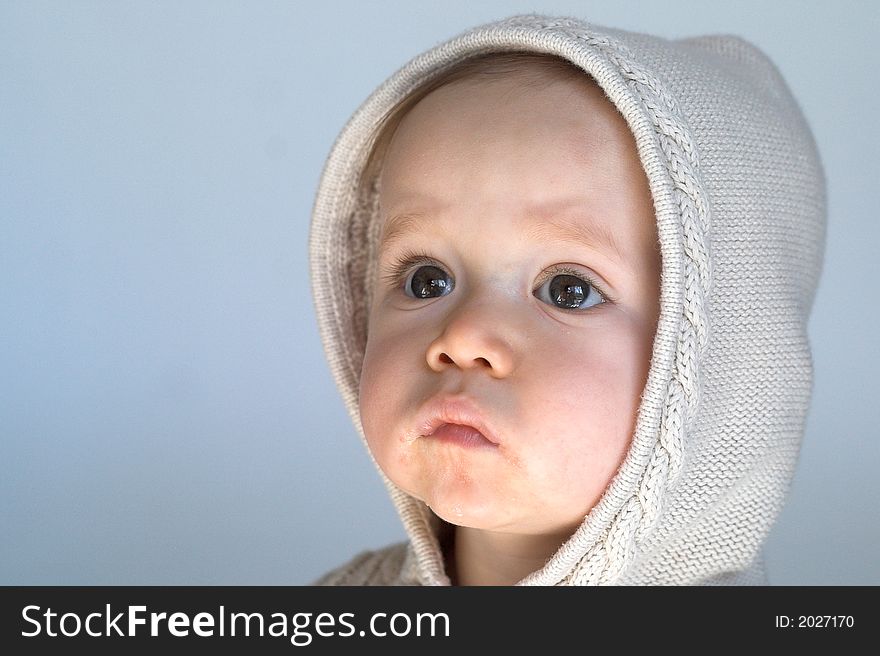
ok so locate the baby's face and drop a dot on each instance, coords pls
(523, 207)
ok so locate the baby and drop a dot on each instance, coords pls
(562, 275)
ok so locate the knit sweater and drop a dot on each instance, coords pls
(739, 197)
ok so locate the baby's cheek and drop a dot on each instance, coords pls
(566, 450)
(373, 400)
(383, 393)
(377, 371)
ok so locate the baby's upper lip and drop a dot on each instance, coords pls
(452, 409)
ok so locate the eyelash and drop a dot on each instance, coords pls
(403, 263)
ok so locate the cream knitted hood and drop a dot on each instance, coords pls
(739, 199)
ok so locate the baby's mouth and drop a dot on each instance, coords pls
(461, 435)
(455, 419)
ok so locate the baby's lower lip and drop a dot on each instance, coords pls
(466, 436)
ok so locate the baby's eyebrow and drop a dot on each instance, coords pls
(396, 227)
(582, 233)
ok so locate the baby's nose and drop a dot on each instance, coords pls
(473, 341)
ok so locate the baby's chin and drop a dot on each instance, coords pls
(458, 516)
(479, 506)
(471, 506)
(493, 519)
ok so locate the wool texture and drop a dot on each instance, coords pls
(739, 197)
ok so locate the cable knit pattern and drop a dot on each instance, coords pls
(739, 197)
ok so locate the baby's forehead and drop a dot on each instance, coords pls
(490, 127)
(544, 165)
(490, 100)
(562, 221)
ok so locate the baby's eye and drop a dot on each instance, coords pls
(428, 281)
(569, 292)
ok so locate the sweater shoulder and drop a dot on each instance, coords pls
(373, 567)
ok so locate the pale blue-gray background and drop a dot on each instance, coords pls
(166, 413)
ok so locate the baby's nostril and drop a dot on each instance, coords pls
(483, 361)
(445, 358)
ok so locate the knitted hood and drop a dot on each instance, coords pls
(739, 197)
